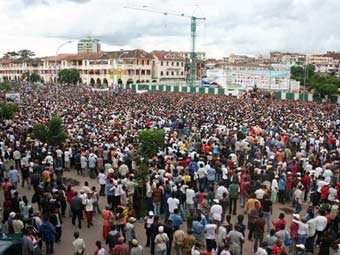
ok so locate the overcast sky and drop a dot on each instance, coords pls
(232, 26)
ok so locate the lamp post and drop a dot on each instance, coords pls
(56, 54)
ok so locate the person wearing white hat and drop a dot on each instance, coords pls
(136, 249)
(161, 242)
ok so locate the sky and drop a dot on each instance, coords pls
(250, 27)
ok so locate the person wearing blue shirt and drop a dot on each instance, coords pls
(282, 190)
(47, 232)
(176, 219)
(198, 229)
(109, 190)
(13, 176)
(211, 175)
(193, 167)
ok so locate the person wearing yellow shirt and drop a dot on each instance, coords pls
(252, 203)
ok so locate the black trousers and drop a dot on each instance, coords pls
(232, 204)
(77, 215)
(49, 247)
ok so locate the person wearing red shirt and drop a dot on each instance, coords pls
(306, 181)
(281, 221)
(325, 192)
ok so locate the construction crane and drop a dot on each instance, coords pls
(194, 20)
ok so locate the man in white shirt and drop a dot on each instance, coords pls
(210, 236)
(190, 195)
(220, 191)
(67, 159)
(260, 193)
(173, 203)
(102, 182)
(321, 224)
(216, 211)
(78, 244)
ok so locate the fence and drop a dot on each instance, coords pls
(221, 91)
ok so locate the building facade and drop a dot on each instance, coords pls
(325, 63)
(246, 76)
(169, 67)
(88, 45)
(278, 57)
(126, 66)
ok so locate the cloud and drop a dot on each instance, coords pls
(243, 26)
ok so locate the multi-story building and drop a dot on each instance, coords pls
(126, 66)
(287, 58)
(88, 45)
(169, 67)
(325, 63)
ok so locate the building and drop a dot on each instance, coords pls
(277, 57)
(199, 55)
(125, 66)
(88, 45)
(248, 76)
(325, 63)
(169, 67)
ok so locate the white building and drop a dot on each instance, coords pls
(245, 77)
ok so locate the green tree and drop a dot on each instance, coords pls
(53, 133)
(5, 86)
(31, 77)
(69, 76)
(298, 73)
(25, 54)
(7, 110)
(150, 142)
(11, 55)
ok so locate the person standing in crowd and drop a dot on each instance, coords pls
(78, 244)
(76, 209)
(48, 235)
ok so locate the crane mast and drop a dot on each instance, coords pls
(193, 25)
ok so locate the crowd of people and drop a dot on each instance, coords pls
(235, 175)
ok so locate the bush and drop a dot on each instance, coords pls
(53, 133)
(7, 110)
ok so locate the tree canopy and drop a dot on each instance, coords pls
(31, 77)
(69, 76)
(21, 54)
(324, 84)
(7, 110)
(53, 133)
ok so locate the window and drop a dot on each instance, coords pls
(142, 62)
(172, 73)
(148, 62)
(137, 62)
(137, 72)
(182, 73)
(167, 73)
(162, 73)
(148, 72)
(182, 64)
(172, 63)
(143, 72)
(161, 63)
(177, 63)
(167, 63)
